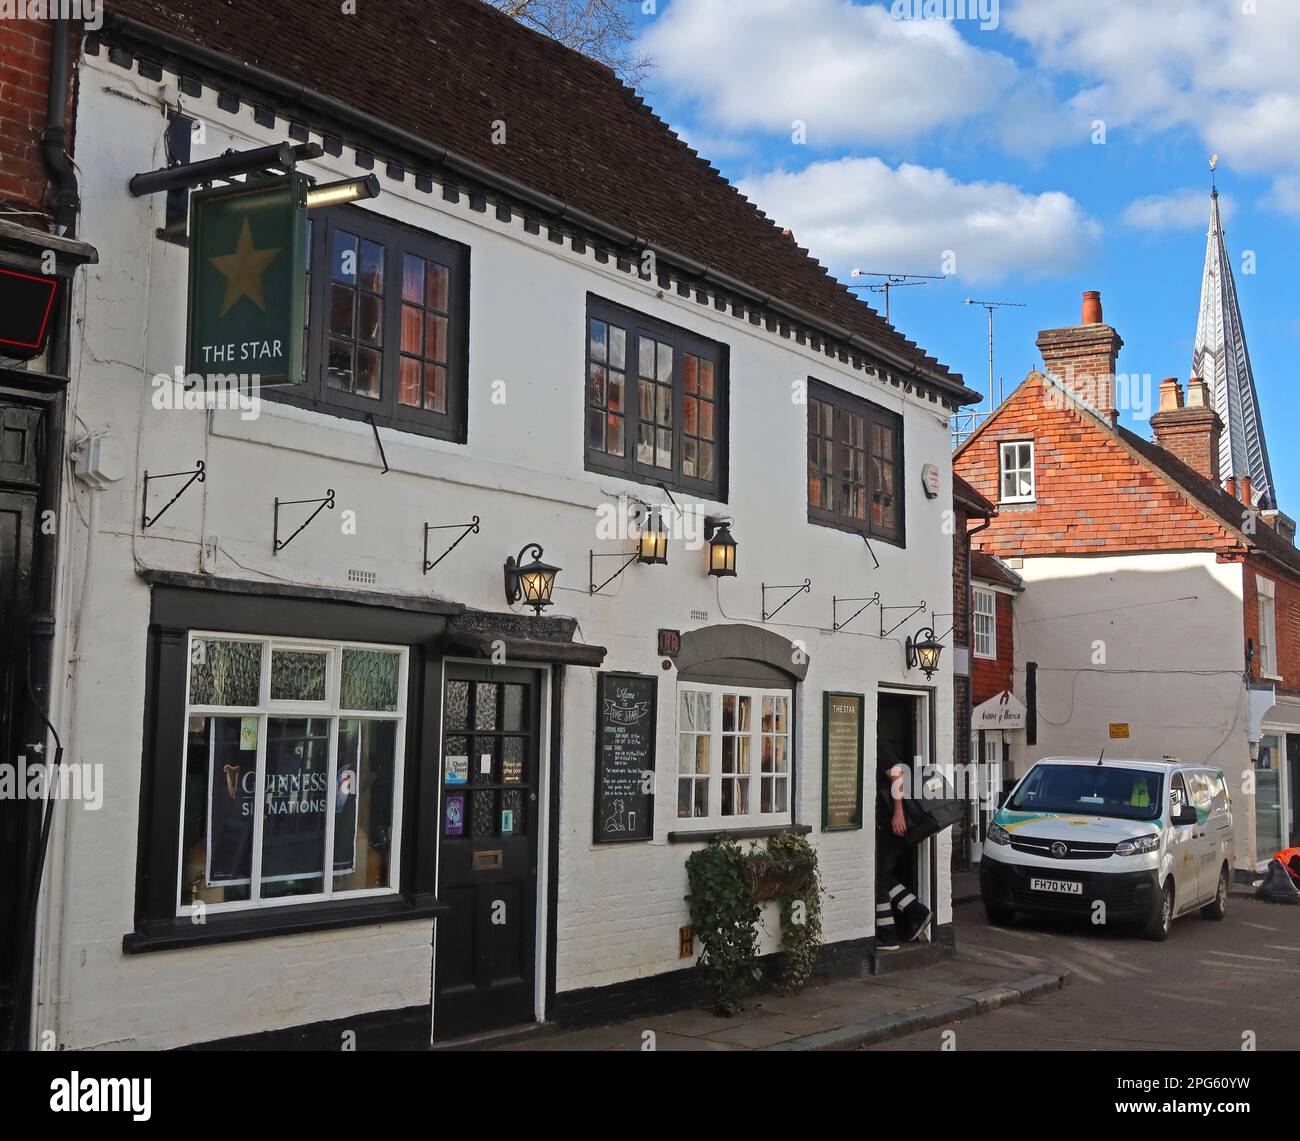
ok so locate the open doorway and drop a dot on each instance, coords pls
(898, 733)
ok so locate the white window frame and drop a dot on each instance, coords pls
(1009, 464)
(985, 633)
(1266, 591)
(265, 709)
(755, 817)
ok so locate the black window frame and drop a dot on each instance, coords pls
(398, 239)
(683, 342)
(873, 414)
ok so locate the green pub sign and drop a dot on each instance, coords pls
(248, 265)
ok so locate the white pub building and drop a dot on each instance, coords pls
(356, 775)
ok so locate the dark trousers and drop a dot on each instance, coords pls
(896, 903)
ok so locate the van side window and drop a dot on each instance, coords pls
(1177, 791)
(1201, 793)
(1222, 798)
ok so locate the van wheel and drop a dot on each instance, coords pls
(999, 915)
(1219, 908)
(1157, 928)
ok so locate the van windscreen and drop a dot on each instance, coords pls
(1091, 790)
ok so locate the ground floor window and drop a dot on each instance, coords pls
(292, 771)
(734, 755)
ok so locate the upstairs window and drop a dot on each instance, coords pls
(855, 458)
(1016, 471)
(387, 325)
(1267, 626)
(984, 624)
(655, 402)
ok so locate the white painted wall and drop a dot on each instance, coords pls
(1154, 640)
(522, 472)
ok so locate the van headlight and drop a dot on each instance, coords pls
(1137, 847)
(998, 834)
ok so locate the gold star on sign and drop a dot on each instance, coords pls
(243, 271)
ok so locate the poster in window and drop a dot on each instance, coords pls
(296, 804)
(842, 761)
(625, 757)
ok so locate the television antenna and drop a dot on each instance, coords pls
(990, 306)
(893, 281)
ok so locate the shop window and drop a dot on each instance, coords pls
(655, 408)
(855, 462)
(735, 755)
(387, 324)
(292, 784)
(984, 623)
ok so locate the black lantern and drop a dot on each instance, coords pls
(924, 651)
(531, 584)
(652, 544)
(722, 548)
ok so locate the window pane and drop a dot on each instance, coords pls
(372, 266)
(664, 404)
(616, 391)
(485, 705)
(599, 350)
(690, 373)
(647, 357)
(296, 800)
(369, 364)
(597, 380)
(664, 364)
(412, 278)
(298, 675)
(684, 798)
(435, 343)
(370, 680)
(614, 435)
(225, 673)
(340, 365)
(515, 708)
(220, 794)
(595, 430)
(457, 711)
(706, 379)
(439, 287)
(370, 319)
(686, 753)
(435, 388)
(363, 804)
(341, 309)
(617, 347)
(408, 390)
(412, 329)
(343, 256)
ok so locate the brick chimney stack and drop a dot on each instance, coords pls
(1082, 357)
(1189, 431)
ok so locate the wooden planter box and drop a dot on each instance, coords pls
(771, 879)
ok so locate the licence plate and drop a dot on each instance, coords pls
(1064, 887)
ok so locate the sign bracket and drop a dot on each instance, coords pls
(371, 417)
(805, 588)
(322, 504)
(591, 566)
(199, 475)
(872, 553)
(912, 612)
(836, 624)
(470, 528)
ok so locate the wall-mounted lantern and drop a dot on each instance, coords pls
(924, 651)
(722, 547)
(652, 544)
(532, 583)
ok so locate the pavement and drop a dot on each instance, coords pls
(844, 1014)
(1227, 985)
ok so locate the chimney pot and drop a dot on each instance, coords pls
(1245, 490)
(1230, 486)
(1091, 308)
(1171, 394)
(1198, 393)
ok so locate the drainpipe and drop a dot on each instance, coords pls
(54, 139)
(966, 844)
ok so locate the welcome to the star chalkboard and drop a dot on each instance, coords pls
(625, 757)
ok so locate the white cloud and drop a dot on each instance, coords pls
(851, 72)
(1285, 195)
(1181, 210)
(1224, 69)
(862, 212)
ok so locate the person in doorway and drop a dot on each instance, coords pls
(899, 914)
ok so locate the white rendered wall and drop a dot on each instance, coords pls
(620, 906)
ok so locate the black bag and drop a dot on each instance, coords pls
(931, 808)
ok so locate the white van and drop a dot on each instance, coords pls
(1149, 840)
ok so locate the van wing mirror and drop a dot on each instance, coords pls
(1185, 814)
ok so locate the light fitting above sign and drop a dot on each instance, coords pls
(248, 265)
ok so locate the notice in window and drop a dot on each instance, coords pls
(842, 761)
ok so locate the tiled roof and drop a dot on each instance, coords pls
(446, 70)
(989, 568)
(963, 493)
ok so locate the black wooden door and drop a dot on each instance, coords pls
(485, 971)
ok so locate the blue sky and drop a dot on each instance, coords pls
(924, 136)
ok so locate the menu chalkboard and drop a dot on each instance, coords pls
(842, 761)
(625, 757)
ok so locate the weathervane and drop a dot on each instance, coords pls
(1214, 161)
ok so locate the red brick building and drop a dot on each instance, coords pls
(1160, 612)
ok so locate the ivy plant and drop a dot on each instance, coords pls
(724, 916)
(801, 909)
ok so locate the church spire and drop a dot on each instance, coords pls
(1219, 356)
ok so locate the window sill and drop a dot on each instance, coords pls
(1269, 677)
(1018, 502)
(703, 835)
(179, 933)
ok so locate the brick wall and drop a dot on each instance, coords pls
(1286, 608)
(24, 81)
(1093, 495)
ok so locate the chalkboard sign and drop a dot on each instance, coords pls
(625, 757)
(842, 761)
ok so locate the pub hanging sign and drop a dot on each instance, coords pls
(248, 266)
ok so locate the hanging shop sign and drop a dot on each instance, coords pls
(842, 761)
(248, 267)
(625, 757)
(1004, 711)
(26, 308)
